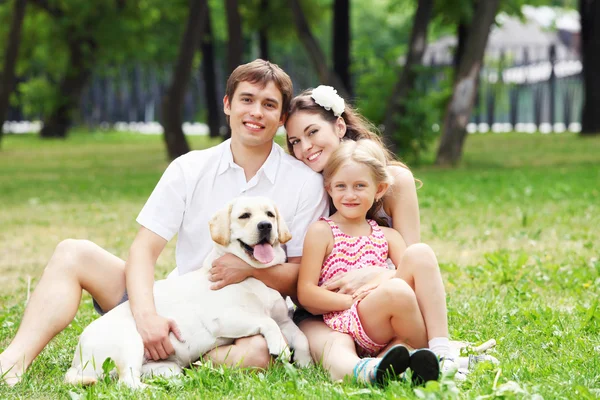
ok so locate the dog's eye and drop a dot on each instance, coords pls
(270, 214)
(245, 216)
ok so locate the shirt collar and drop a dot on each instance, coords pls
(269, 168)
(226, 161)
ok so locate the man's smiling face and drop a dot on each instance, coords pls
(255, 113)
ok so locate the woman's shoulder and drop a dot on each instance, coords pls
(401, 175)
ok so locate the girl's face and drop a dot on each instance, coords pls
(353, 190)
(313, 138)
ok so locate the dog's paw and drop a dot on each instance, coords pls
(302, 359)
(284, 355)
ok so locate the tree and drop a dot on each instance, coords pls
(7, 82)
(341, 42)
(263, 33)
(465, 85)
(82, 33)
(210, 79)
(175, 95)
(406, 82)
(82, 53)
(235, 46)
(314, 51)
(590, 57)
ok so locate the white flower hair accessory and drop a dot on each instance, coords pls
(327, 97)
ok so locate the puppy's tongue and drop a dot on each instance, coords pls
(264, 253)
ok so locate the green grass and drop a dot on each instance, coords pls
(515, 228)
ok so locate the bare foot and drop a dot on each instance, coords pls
(10, 373)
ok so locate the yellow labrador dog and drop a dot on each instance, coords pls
(252, 229)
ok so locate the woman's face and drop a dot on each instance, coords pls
(313, 139)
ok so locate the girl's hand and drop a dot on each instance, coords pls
(364, 290)
(351, 281)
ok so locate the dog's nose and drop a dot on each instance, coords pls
(264, 227)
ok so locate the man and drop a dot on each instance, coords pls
(192, 188)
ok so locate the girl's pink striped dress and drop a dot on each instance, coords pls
(349, 253)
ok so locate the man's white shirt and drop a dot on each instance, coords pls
(197, 184)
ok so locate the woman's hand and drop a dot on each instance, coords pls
(351, 281)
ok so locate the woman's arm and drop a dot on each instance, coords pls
(317, 300)
(396, 245)
(402, 205)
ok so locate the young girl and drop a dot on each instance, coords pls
(318, 122)
(386, 311)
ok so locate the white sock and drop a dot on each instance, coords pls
(441, 347)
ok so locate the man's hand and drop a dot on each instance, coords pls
(351, 281)
(154, 331)
(228, 269)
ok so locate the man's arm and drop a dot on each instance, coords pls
(139, 278)
(230, 269)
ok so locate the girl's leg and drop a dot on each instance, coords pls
(391, 312)
(420, 269)
(335, 350)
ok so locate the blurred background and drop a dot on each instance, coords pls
(426, 72)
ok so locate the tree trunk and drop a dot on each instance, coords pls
(82, 53)
(341, 42)
(462, 30)
(315, 53)
(465, 85)
(172, 110)
(7, 82)
(590, 56)
(406, 82)
(209, 77)
(235, 47)
(263, 36)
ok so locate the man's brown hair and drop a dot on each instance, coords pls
(262, 72)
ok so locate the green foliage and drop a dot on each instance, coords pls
(37, 96)
(420, 126)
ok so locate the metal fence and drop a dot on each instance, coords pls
(526, 89)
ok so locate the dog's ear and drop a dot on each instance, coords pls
(219, 226)
(282, 229)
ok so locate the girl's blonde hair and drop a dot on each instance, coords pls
(357, 126)
(366, 152)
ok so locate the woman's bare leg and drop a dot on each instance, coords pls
(420, 269)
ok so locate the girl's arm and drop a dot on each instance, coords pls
(402, 205)
(317, 300)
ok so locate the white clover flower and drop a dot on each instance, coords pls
(327, 97)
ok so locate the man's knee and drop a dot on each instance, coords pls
(254, 352)
(69, 253)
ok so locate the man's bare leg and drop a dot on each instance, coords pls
(75, 265)
(248, 352)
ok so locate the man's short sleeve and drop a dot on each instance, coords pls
(163, 212)
(313, 204)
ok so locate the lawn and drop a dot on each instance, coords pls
(515, 228)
